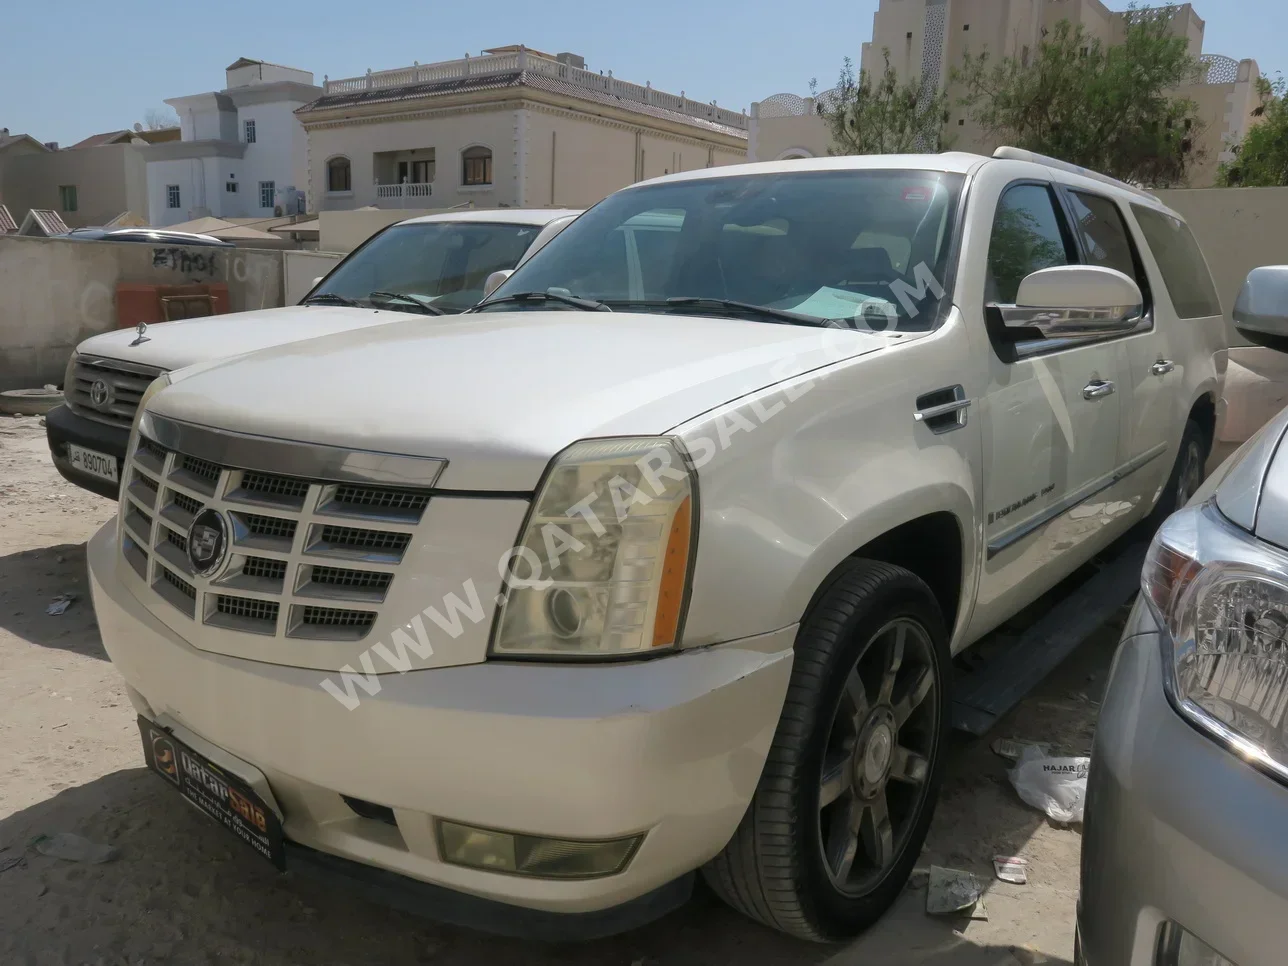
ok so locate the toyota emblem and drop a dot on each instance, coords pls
(207, 542)
(101, 395)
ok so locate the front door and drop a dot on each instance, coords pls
(1050, 421)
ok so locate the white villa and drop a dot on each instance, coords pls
(511, 127)
(242, 152)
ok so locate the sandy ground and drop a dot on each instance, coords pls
(185, 892)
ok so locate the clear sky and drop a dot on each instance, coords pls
(72, 68)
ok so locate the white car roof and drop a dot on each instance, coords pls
(498, 216)
(1024, 163)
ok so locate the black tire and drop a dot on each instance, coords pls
(30, 402)
(1187, 473)
(776, 868)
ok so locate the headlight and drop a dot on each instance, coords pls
(1221, 596)
(602, 566)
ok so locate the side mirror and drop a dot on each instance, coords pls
(316, 281)
(494, 281)
(1069, 301)
(1261, 310)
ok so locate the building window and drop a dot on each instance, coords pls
(67, 196)
(338, 175)
(172, 196)
(1024, 56)
(231, 187)
(965, 27)
(961, 122)
(267, 189)
(249, 126)
(477, 166)
(909, 37)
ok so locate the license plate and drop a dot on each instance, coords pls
(93, 463)
(213, 791)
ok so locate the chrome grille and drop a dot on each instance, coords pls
(281, 575)
(126, 383)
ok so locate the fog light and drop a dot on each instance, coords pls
(482, 848)
(1181, 948)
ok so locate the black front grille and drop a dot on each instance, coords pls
(377, 813)
(178, 539)
(266, 484)
(380, 498)
(155, 449)
(255, 610)
(185, 502)
(357, 579)
(174, 579)
(337, 617)
(356, 539)
(263, 526)
(202, 468)
(146, 480)
(263, 567)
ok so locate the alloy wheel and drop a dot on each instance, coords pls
(877, 759)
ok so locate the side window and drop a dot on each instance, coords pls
(1026, 237)
(1105, 237)
(1181, 263)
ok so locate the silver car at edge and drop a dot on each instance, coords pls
(1185, 856)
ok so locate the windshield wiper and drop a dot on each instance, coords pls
(328, 298)
(586, 305)
(426, 306)
(734, 306)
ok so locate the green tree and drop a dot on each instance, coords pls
(1105, 107)
(882, 116)
(1261, 158)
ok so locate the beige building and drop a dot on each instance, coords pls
(511, 127)
(928, 38)
(86, 186)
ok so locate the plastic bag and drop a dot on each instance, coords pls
(1056, 786)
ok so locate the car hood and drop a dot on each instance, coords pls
(173, 345)
(1252, 485)
(497, 395)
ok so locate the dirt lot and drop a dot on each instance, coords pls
(185, 892)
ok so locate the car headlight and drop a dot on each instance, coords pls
(1221, 597)
(601, 569)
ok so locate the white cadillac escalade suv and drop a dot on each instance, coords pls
(657, 561)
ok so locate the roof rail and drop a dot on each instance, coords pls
(1018, 154)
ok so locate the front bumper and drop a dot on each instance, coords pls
(63, 426)
(672, 747)
(1178, 829)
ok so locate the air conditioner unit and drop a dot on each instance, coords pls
(289, 201)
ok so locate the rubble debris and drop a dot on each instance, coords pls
(60, 604)
(950, 891)
(1011, 868)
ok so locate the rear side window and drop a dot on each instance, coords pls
(1026, 237)
(1181, 263)
(1105, 238)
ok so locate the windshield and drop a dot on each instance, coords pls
(440, 264)
(863, 249)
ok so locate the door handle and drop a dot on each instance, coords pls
(1097, 390)
(1162, 367)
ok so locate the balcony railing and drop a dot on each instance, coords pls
(526, 60)
(397, 192)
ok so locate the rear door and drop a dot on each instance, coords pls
(1151, 380)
